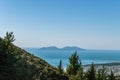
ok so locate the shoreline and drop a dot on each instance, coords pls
(114, 66)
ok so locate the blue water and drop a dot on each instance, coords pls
(87, 57)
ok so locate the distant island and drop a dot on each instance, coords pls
(64, 48)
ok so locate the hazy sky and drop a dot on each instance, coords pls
(90, 24)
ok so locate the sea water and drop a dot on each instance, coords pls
(87, 57)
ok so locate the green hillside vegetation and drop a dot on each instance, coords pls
(75, 71)
(17, 64)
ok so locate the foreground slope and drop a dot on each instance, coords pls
(32, 67)
(17, 64)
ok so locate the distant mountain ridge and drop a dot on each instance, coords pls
(64, 48)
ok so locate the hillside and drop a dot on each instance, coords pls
(26, 66)
(34, 67)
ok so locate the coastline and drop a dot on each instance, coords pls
(114, 66)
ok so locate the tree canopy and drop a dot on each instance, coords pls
(74, 64)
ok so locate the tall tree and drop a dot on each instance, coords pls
(6, 57)
(74, 64)
(60, 69)
(90, 75)
(9, 37)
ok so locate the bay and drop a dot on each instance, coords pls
(87, 57)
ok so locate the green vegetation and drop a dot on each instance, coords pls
(74, 65)
(90, 74)
(7, 57)
(75, 71)
(101, 74)
(17, 64)
(60, 69)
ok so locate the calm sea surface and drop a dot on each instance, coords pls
(87, 57)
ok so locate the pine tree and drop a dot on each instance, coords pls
(74, 64)
(60, 69)
(99, 75)
(6, 57)
(9, 37)
(80, 74)
(90, 75)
